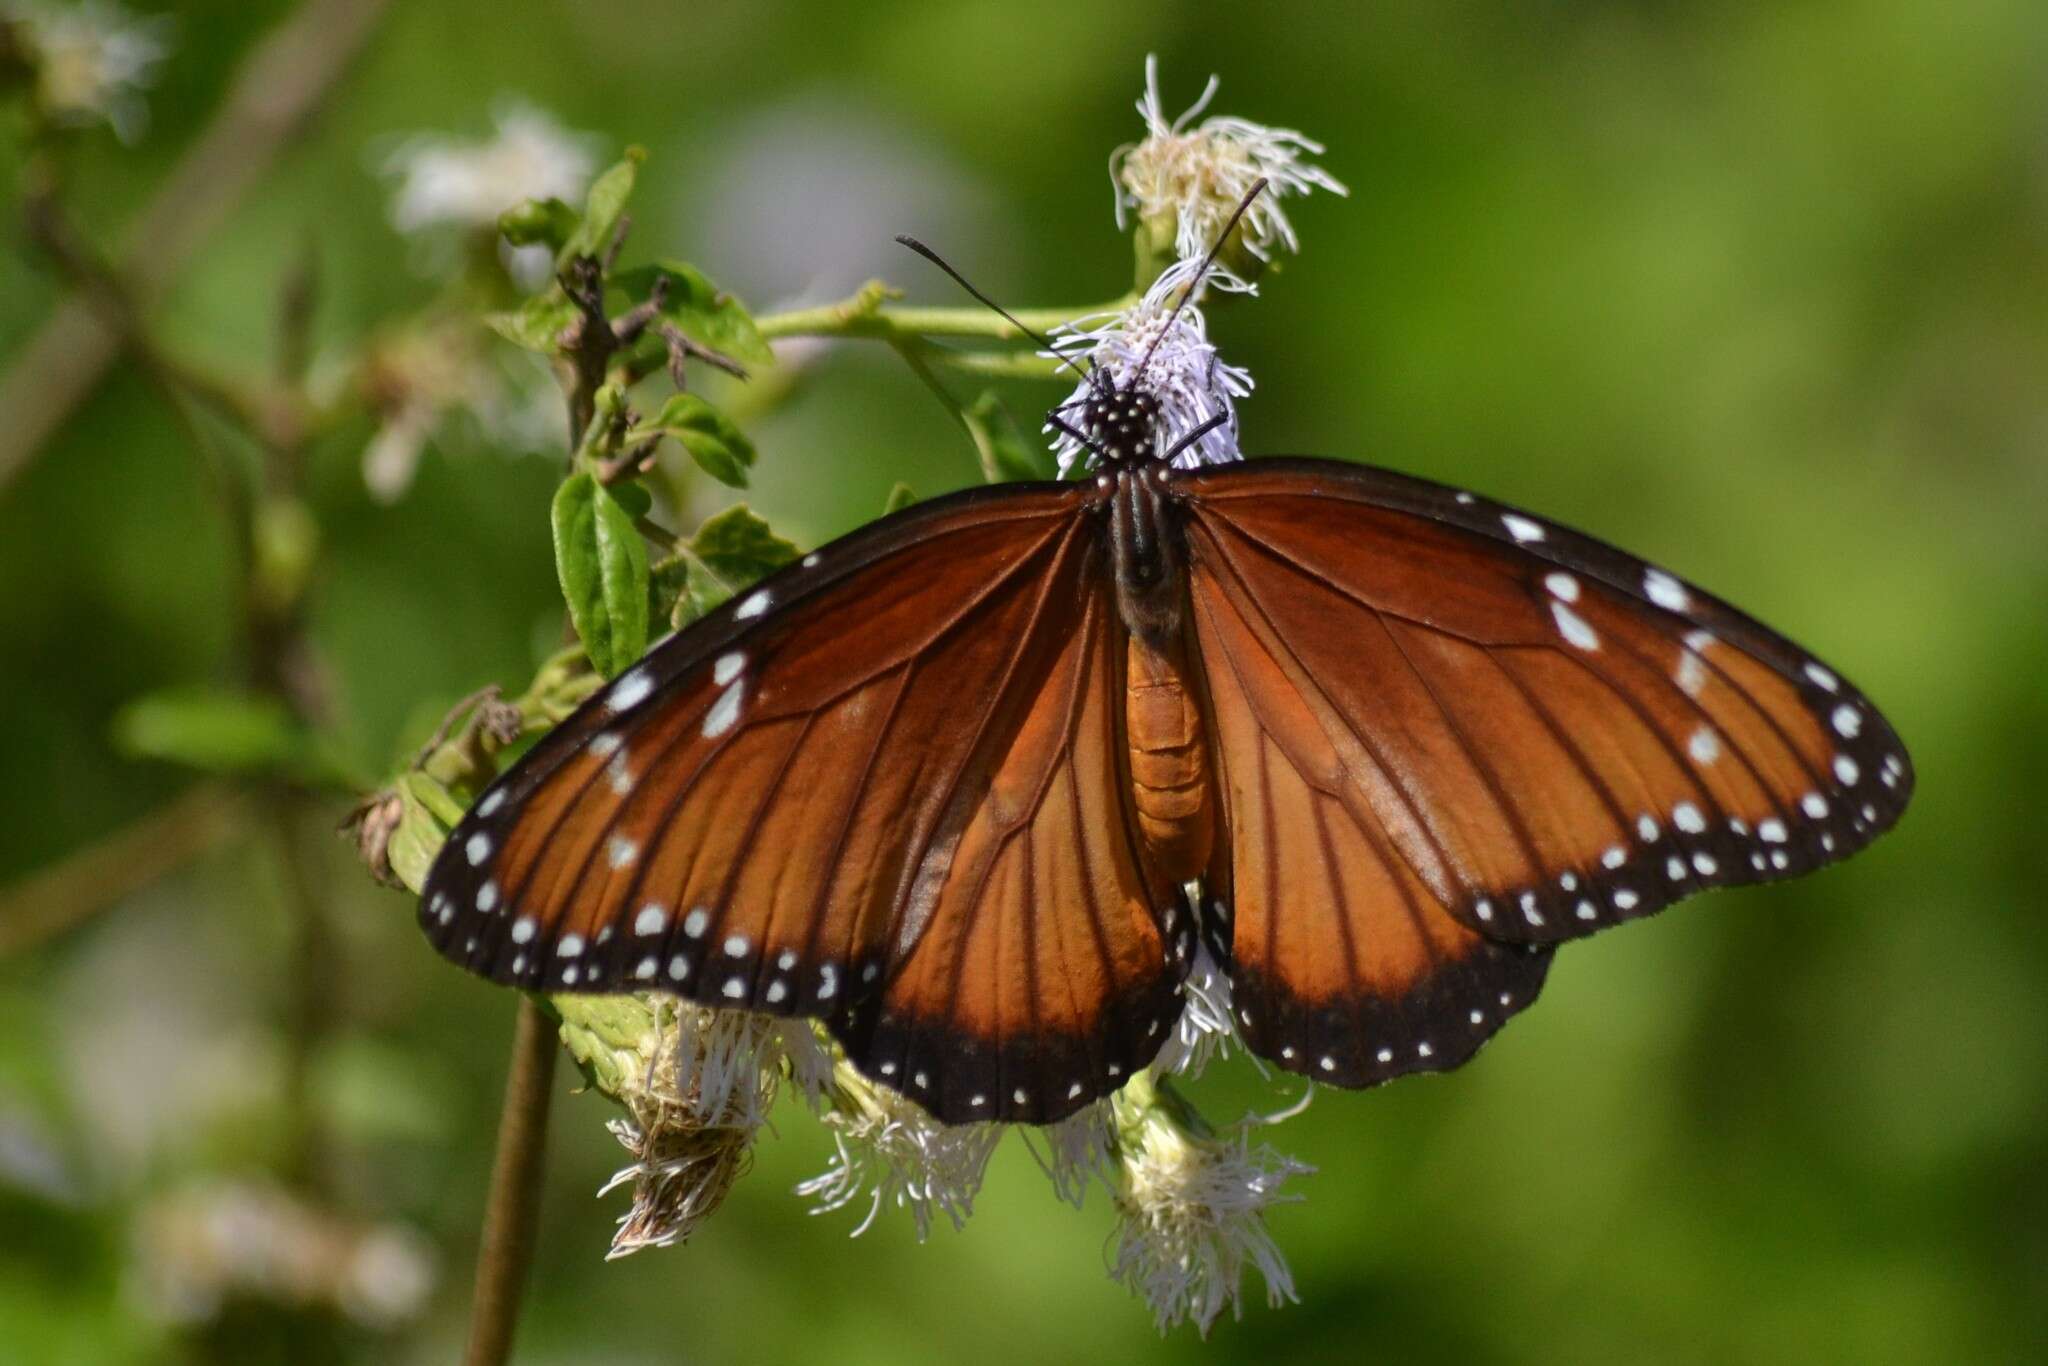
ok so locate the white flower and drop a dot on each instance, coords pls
(890, 1148)
(93, 61)
(1081, 1149)
(1192, 1213)
(1201, 174)
(695, 1106)
(468, 183)
(1205, 1029)
(1180, 368)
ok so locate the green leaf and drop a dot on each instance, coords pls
(699, 310)
(633, 497)
(900, 498)
(730, 550)
(538, 323)
(218, 731)
(710, 437)
(603, 208)
(1005, 454)
(602, 564)
(542, 222)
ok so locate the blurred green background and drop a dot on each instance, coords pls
(1758, 290)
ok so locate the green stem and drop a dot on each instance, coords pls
(866, 314)
(513, 1211)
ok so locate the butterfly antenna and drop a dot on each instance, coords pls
(961, 280)
(1258, 188)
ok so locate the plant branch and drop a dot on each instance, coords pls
(66, 894)
(512, 1212)
(867, 313)
(283, 81)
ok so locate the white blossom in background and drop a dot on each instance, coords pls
(207, 1245)
(1201, 174)
(465, 183)
(1191, 1217)
(93, 61)
(468, 182)
(1183, 371)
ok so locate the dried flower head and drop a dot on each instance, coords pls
(1183, 372)
(697, 1085)
(890, 1149)
(1191, 1210)
(469, 182)
(92, 62)
(1194, 178)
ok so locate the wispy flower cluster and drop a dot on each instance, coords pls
(92, 61)
(1192, 1214)
(1171, 355)
(1195, 177)
(1186, 183)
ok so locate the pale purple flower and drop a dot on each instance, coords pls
(1168, 354)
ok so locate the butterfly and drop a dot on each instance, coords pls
(977, 784)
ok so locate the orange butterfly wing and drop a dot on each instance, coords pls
(890, 802)
(1451, 734)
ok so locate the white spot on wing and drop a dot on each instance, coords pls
(1846, 770)
(1705, 746)
(1562, 585)
(1574, 628)
(1847, 722)
(1666, 591)
(620, 852)
(1520, 527)
(630, 691)
(756, 603)
(1687, 817)
(522, 929)
(651, 920)
(491, 802)
(478, 848)
(728, 667)
(725, 711)
(571, 945)
(1821, 677)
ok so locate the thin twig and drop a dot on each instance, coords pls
(513, 1208)
(66, 894)
(283, 81)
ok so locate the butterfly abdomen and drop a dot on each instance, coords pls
(1169, 760)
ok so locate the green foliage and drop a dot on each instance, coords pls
(699, 310)
(900, 497)
(602, 564)
(217, 731)
(539, 222)
(603, 208)
(1006, 455)
(731, 549)
(718, 446)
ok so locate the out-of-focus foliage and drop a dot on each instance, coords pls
(1760, 290)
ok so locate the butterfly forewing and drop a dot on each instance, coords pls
(1452, 723)
(879, 789)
